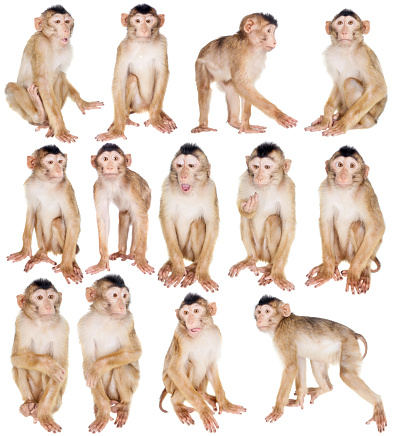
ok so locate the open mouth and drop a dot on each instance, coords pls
(185, 188)
(65, 40)
(196, 330)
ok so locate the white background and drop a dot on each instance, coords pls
(296, 81)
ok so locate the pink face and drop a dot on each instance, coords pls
(346, 28)
(143, 23)
(111, 163)
(263, 315)
(186, 167)
(262, 168)
(118, 299)
(192, 316)
(54, 167)
(62, 25)
(44, 301)
(344, 169)
(261, 36)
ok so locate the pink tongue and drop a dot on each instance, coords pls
(195, 330)
(185, 187)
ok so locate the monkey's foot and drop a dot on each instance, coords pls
(274, 415)
(279, 280)
(20, 255)
(319, 275)
(183, 413)
(338, 128)
(131, 123)
(379, 417)
(45, 125)
(99, 423)
(360, 285)
(208, 419)
(48, 423)
(210, 399)
(29, 408)
(231, 408)
(36, 259)
(70, 272)
(164, 271)
(121, 255)
(296, 402)
(174, 278)
(101, 266)
(84, 106)
(162, 125)
(122, 412)
(112, 133)
(249, 262)
(63, 135)
(252, 129)
(316, 392)
(36, 99)
(142, 264)
(190, 276)
(200, 129)
(285, 121)
(207, 283)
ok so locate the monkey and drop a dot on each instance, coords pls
(132, 195)
(235, 62)
(40, 353)
(52, 211)
(351, 223)
(110, 349)
(189, 217)
(324, 342)
(266, 202)
(42, 86)
(141, 73)
(359, 94)
(191, 361)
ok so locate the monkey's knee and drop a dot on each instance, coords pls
(366, 122)
(132, 81)
(274, 221)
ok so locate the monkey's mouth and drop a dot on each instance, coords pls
(196, 330)
(185, 188)
(64, 41)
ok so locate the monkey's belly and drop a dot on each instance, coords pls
(319, 349)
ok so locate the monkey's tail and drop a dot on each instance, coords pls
(163, 395)
(362, 339)
(378, 264)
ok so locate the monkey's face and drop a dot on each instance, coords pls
(187, 168)
(262, 170)
(344, 30)
(267, 318)
(345, 170)
(143, 25)
(110, 164)
(44, 302)
(116, 300)
(263, 36)
(52, 167)
(59, 27)
(196, 316)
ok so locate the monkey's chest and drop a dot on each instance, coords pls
(342, 66)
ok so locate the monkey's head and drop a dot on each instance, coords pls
(189, 168)
(57, 24)
(142, 23)
(346, 27)
(40, 300)
(267, 164)
(269, 312)
(109, 296)
(346, 168)
(260, 29)
(195, 313)
(48, 163)
(110, 161)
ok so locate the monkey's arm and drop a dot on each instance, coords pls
(27, 236)
(326, 120)
(76, 98)
(248, 207)
(161, 81)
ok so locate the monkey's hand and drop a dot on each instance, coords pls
(354, 282)
(274, 415)
(84, 106)
(250, 206)
(101, 421)
(249, 262)
(70, 272)
(122, 413)
(55, 371)
(206, 415)
(101, 266)
(247, 128)
(142, 264)
(319, 275)
(164, 271)
(206, 282)
(160, 124)
(231, 408)
(284, 120)
(20, 255)
(338, 128)
(280, 280)
(364, 282)
(36, 259)
(175, 277)
(112, 133)
(93, 374)
(48, 423)
(379, 417)
(64, 135)
(183, 413)
(200, 129)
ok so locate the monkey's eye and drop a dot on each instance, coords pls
(179, 165)
(50, 162)
(267, 167)
(137, 20)
(60, 161)
(50, 297)
(267, 311)
(196, 311)
(39, 297)
(258, 312)
(105, 159)
(124, 295)
(114, 294)
(255, 167)
(148, 21)
(350, 22)
(57, 21)
(116, 158)
(352, 165)
(186, 312)
(191, 165)
(67, 21)
(339, 164)
(339, 23)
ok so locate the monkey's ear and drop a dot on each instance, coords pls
(366, 27)
(286, 311)
(21, 301)
(366, 171)
(90, 294)
(128, 159)
(31, 162)
(38, 24)
(123, 19)
(161, 20)
(287, 166)
(327, 166)
(177, 314)
(60, 297)
(328, 27)
(212, 308)
(247, 158)
(93, 161)
(248, 27)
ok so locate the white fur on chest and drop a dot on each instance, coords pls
(113, 191)
(256, 64)
(341, 64)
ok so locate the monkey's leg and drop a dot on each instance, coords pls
(300, 385)
(182, 412)
(102, 408)
(46, 405)
(350, 360)
(320, 372)
(103, 233)
(196, 242)
(124, 226)
(233, 104)
(21, 101)
(210, 399)
(132, 93)
(139, 243)
(203, 81)
(245, 117)
(29, 407)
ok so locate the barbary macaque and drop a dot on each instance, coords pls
(351, 223)
(189, 217)
(111, 350)
(191, 362)
(359, 94)
(235, 63)
(324, 342)
(52, 211)
(42, 86)
(141, 74)
(266, 202)
(40, 353)
(131, 194)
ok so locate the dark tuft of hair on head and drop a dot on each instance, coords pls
(115, 279)
(143, 9)
(263, 150)
(347, 151)
(266, 299)
(191, 299)
(270, 19)
(346, 13)
(43, 284)
(57, 9)
(109, 147)
(51, 149)
(189, 148)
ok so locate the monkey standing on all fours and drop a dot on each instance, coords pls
(42, 86)
(235, 62)
(324, 342)
(359, 94)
